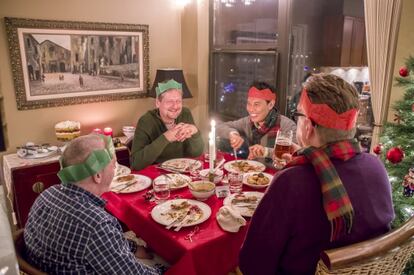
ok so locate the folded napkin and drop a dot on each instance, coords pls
(229, 219)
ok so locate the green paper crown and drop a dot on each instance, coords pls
(165, 86)
(96, 161)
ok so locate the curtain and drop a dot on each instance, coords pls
(382, 20)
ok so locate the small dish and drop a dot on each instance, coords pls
(202, 190)
(218, 175)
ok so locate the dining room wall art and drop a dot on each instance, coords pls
(56, 63)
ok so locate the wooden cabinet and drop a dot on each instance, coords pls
(26, 179)
(344, 42)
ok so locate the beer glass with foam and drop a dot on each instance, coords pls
(283, 142)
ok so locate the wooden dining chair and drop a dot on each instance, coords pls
(24, 266)
(386, 254)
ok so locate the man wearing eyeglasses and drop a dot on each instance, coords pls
(166, 132)
(329, 195)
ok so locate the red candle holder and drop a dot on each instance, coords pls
(97, 131)
(108, 131)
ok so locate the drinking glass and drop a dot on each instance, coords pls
(283, 143)
(161, 188)
(235, 182)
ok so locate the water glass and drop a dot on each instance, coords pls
(161, 188)
(235, 182)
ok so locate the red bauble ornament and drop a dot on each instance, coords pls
(403, 71)
(412, 107)
(395, 155)
(377, 149)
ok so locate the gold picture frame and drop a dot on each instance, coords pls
(56, 63)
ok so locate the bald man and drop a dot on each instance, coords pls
(68, 230)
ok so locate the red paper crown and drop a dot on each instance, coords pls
(265, 94)
(323, 115)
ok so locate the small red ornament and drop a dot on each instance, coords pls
(403, 71)
(377, 149)
(412, 107)
(395, 155)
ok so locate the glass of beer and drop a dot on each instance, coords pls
(283, 142)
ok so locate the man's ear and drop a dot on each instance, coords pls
(97, 178)
(157, 103)
(309, 129)
(271, 105)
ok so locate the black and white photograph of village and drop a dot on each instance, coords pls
(61, 65)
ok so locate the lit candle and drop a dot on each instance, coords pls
(107, 131)
(210, 152)
(97, 131)
(213, 138)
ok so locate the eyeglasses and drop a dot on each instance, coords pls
(296, 116)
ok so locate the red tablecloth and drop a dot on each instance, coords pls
(212, 251)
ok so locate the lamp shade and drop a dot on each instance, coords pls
(167, 74)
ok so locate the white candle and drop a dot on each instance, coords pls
(210, 152)
(213, 135)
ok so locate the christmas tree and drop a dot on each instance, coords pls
(397, 141)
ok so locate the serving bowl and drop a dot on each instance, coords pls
(202, 189)
(128, 131)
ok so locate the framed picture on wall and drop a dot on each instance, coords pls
(57, 63)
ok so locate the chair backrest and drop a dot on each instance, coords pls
(386, 254)
(20, 254)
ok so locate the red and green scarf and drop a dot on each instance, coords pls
(269, 127)
(336, 201)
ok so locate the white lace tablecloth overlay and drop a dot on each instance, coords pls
(12, 162)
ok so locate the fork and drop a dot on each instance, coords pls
(178, 220)
(189, 216)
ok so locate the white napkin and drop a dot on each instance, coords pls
(229, 219)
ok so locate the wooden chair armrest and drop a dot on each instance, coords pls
(343, 256)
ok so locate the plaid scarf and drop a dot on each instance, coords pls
(270, 127)
(336, 202)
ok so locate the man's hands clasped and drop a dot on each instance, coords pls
(180, 132)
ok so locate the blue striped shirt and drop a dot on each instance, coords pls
(69, 232)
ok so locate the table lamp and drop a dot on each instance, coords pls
(167, 74)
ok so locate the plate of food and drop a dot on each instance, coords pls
(245, 202)
(181, 213)
(257, 179)
(177, 181)
(130, 183)
(181, 165)
(121, 170)
(244, 166)
(36, 151)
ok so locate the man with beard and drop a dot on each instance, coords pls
(257, 131)
(166, 132)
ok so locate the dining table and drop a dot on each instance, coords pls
(200, 249)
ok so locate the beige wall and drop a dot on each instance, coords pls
(164, 20)
(405, 47)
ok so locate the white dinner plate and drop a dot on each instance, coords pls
(121, 170)
(180, 164)
(245, 208)
(136, 184)
(160, 213)
(250, 165)
(30, 154)
(177, 181)
(250, 180)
